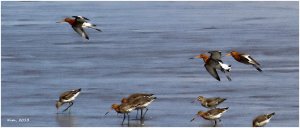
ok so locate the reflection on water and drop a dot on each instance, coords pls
(65, 120)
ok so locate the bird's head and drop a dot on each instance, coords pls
(201, 98)
(113, 107)
(124, 100)
(232, 53)
(200, 113)
(68, 20)
(58, 104)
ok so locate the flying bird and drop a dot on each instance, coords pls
(214, 62)
(245, 59)
(78, 23)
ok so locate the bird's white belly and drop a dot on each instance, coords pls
(225, 66)
(263, 122)
(146, 104)
(86, 24)
(216, 116)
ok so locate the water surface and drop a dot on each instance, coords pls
(145, 47)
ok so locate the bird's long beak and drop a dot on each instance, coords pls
(194, 118)
(60, 21)
(193, 101)
(229, 54)
(107, 112)
(192, 58)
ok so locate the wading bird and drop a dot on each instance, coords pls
(124, 109)
(212, 102)
(67, 97)
(214, 114)
(140, 97)
(262, 120)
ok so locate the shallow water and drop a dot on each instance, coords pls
(145, 47)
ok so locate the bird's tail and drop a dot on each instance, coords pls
(257, 67)
(96, 29)
(270, 115)
(222, 100)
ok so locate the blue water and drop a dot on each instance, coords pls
(145, 47)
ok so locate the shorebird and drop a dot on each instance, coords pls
(214, 114)
(245, 59)
(67, 97)
(124, 109)
(262, 120)
(142, 103)
(137, 96)
(210, 102)
(214, 62)
(78, 23)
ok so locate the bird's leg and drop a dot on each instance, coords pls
(227, 76)
(123, 119)
(141, 114)
(128, 118)
(137, 112)
(71, 103)
(219, 120)
(215, 123)
(145, 112)
(70, 107)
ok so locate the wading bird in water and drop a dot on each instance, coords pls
(67, 97)
(213, 114)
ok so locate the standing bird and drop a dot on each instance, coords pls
(214, 114)
(124, 109)
(245, 58)
(67, 97)
(134, 96)
(142, 103)
(214, 62)
(210, 102)
(78, 23)
(262, 120)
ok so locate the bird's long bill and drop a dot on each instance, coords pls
(60, 21)
(194, 118)
(107, 112)
(193, 101)
(229, 54)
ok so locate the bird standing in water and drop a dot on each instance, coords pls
(139, 96)
(245, 59)
(78, 23)
(124, 109)
(213, 114)
(210, 102)
(67, 97)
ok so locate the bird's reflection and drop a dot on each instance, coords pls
(65, 120)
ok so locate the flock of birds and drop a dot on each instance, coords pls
(140, 101)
